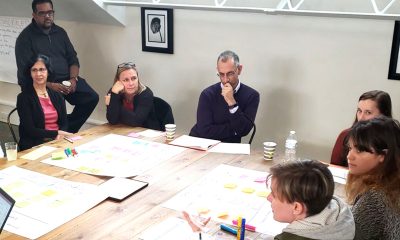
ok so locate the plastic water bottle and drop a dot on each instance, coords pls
(290, 146)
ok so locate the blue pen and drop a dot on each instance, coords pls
(228, 229)
(243, 229)
(66, 152)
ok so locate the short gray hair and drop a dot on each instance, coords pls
(228, 54)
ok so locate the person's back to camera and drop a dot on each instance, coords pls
(302, 195)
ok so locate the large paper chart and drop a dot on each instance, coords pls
(227, 192)
(43, 202)
(117, 156)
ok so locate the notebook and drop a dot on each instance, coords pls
(194, 142)
(6, 204)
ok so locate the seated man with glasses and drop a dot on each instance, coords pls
(227, 109)
(45, 37)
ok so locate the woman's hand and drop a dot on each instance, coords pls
(195, 224)
(117, 87)
(62, 134)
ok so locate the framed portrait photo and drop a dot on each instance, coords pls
(394, 65)
(157, 30)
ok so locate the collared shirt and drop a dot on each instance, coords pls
(233, 110)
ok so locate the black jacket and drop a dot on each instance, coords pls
(56, 45)
(31, 117)
(143, 114)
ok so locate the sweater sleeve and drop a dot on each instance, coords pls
(143, 103)
(369, 215)
(239, 123)
(26, 118)
(23, 54)
(339, 154)
(242, 121)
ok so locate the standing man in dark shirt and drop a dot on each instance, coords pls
(43, 36)
(227, 109)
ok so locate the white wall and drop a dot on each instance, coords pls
(309, 71)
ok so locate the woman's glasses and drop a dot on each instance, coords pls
(126, 65)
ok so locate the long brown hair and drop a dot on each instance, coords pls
(382, 100)
(380, 135)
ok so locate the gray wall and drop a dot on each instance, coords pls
(309, 71)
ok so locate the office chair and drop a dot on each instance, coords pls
(253, 133)
(163, 112)
(10, 126)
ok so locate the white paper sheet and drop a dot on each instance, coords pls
(194, 142)
(117, 156)
(339, 174)
(37, 153)
(222, 192)
(151, 133)
(232, 148)
(172, 228)
(43, 202)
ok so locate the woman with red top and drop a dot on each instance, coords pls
(41, 111)
(129, 101)
(370, 105)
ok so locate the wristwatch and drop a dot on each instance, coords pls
(233, 106)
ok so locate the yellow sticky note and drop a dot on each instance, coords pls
(248, 190)
(222, 214)
(263, 193)
(230, 185)
(49, 192)
(203, 210)
(58, 156)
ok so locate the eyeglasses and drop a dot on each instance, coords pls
(228, 74)
(127, 65)
(40, 70)
(45, 13)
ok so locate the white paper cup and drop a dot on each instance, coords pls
(269, 150)
(170, 131)
(11, 150)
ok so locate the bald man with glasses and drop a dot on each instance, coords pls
(43, 36)
(227, 109)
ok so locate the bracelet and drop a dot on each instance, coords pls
(233, 106)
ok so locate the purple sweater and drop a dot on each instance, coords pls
(214, 121)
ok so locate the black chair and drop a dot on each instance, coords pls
(253, 133)
(163, 112)
(10, 126)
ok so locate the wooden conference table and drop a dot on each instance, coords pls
(129, 218)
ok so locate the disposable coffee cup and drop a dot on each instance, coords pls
(66, 83)
(170, 131)
(269, 150)
(11, 150)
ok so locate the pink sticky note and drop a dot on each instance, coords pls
(75, 138)
(260, 179)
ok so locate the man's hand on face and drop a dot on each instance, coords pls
(227, 93)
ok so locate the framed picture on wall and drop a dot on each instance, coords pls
(394, 65)
(157, 30)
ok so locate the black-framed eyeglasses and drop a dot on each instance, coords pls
(126, 65)
(228, 74)
(46, 13)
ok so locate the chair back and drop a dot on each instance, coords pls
(10, 126)
(253, 133)
(163, 112)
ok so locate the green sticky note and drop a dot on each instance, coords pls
(58, 155)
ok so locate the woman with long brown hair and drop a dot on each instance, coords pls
(373, 182)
